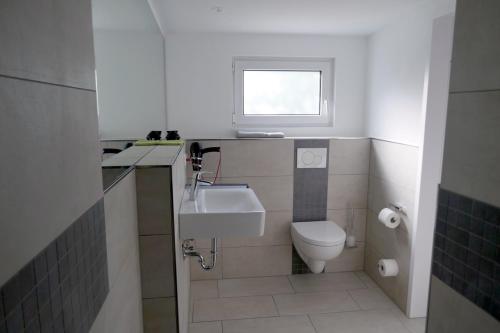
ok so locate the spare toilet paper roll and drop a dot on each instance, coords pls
(388, 267)
(390, 218)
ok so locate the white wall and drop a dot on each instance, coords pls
(200, 82)
(397, 66)
(430, 164)
(130, 83)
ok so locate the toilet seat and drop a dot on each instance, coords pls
(319, 233)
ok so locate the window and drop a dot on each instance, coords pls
(283, 92)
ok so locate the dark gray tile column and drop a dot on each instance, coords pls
(310, 194)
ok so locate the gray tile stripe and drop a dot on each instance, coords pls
(63, 288)
(310, 186)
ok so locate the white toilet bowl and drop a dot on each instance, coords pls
(317, 242)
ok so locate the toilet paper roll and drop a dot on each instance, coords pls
(389, 218)
(388, 267)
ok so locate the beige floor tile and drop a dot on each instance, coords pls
(207, 327)
(369, 283)
(371, 299)
(233, 308)
(308, 283)
(325, 302)
(379, 321)
(204, 289)
(414, 325)
(255, 286)
(288, 324)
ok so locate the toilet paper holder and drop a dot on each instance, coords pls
(398, 208)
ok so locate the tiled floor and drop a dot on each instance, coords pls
(309, 303)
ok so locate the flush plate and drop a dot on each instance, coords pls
(311, 158)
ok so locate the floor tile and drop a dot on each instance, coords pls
(254, 286)
(308, 283)
(204, 289)
(369, 283)
(370, 299)
(377, 321)
(233, 308)
(414, 325)
(206, 327)
(287, 324)
(296, 304)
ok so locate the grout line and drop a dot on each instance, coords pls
(474, 91)
(46, 82)
(352, 298)
(312, 324)
(276, 306)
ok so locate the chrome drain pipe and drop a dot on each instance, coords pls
(188, 250)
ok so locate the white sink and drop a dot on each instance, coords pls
(225, 211)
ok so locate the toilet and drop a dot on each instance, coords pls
(317, 242)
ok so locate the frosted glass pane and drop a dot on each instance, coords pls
(281, 93)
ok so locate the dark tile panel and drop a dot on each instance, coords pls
(467, 249)
(63, 288)
(310, 191)
(310, 186)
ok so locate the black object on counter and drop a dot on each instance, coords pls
(154, 135)
(173, 135)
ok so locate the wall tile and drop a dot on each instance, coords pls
(257, 158)
(394, 162)
(197, 273)
(34, 298)
(471, 154)
(159, 315)
(157, 266)
(446, 306)
(154, 203)
(382, 193)
(56, 46)
(277, 232)
(310, 186)
(275, 193)
(48, 113)
(394, 287)
(210, 160)
(350, 260)
(347, 191)
(475, 64)
(464, 260)
(257, 261)
(349, 156)
(339, 216)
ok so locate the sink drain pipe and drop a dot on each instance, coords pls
(189, 251)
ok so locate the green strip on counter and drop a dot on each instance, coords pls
(159, 142)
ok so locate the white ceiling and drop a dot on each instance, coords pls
(282, 16)
(127, 15)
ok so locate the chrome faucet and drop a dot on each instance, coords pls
(195, 181)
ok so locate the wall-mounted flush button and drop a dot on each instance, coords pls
(311, 158)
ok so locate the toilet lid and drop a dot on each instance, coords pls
(321, 233)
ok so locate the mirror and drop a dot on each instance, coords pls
(130, 82)
(130, 71)
(130, 75)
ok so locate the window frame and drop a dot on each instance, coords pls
(326, 66)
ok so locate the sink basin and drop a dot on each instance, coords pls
(221, 212)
